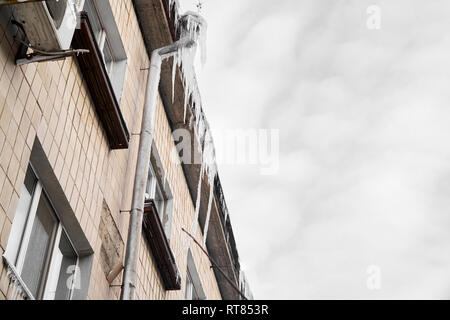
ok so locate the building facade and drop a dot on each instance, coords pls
(70, 128)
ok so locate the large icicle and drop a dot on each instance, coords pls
(174, 72)
(194, 27)
(174, 6)
(209, 158)
(208, 213)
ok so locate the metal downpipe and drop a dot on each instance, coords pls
(143, 162)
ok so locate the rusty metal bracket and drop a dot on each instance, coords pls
(23, 57)
(36, 57)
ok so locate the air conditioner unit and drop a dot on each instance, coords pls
(49, 25)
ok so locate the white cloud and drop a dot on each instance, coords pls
(363, 118)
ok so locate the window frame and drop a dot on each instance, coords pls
(157, 184)
(108, 37)
(193, 283)
(190, 290)
(21, 242)
(104, 90)
(54, 273)
(155, 193)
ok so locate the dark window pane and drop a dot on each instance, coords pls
(191, 291)
(42, 234)
(30, 180)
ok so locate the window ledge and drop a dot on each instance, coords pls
(160, 248)
(15, 281)
(99, 85)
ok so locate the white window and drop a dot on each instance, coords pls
(154, 193)
(38, 246)
(193, 288)
(109, 42)
(158, 190)
(191, 291)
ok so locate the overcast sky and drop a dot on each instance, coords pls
(364, 120)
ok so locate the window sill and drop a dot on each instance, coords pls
(160, 248)
(16, 281)
(99, 86)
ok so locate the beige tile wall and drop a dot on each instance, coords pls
(50, 101)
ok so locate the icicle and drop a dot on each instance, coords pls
(186, 95)
(194, 28)
(13, 284)
(15, 288)
(174, 72)
(208, 213)
(191, 121)
(202, 43)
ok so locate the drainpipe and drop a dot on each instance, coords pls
(143, 162)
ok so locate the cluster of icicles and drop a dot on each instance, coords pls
(193, 26)
(15, 287)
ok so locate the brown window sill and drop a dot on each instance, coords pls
(159, 245)
(99, 85)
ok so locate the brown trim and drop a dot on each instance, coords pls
(99, 86)
(159, 245)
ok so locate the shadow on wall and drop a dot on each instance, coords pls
(10, 31)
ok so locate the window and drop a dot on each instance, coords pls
(157, 221)
(39, 247)
(193, 289)
(154, 192)
(158, 190)
(109, 42)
